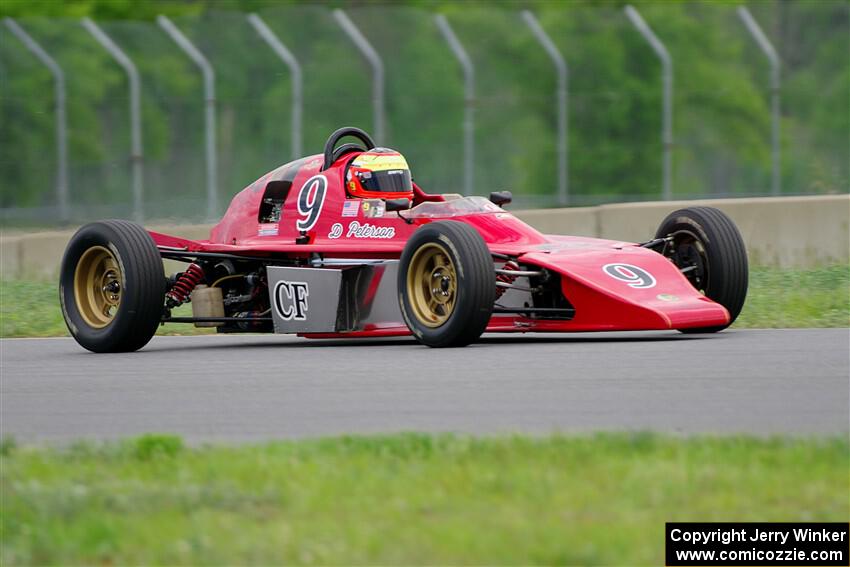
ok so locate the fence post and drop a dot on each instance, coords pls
(561, 104)
(765, 45)
(61, 117)
(136, 148)
(469, 101)
(297, 79)
(377, 70)
(667, 85)
(209, 115)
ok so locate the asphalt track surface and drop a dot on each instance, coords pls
(239, 388)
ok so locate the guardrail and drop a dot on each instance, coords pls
(778, 231)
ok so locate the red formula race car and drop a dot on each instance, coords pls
(343, 244)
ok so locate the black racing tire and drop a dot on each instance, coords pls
(446, 284)
(112, 286)
(707, 239)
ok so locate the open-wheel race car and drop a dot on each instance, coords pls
(344, 244)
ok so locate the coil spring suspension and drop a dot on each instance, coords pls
(184, 285)
(506, 278)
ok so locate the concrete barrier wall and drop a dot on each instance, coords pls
(780, 231)
(37, 255)
(783, 231)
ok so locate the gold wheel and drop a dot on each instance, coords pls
(432, 285)
(97, 286)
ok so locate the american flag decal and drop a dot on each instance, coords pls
(267, 229)
(350, 208)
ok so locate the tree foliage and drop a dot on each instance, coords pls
(722, 115)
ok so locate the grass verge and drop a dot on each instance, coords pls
(403, 499)
(777, 298)
(31, 309)
(797, 298)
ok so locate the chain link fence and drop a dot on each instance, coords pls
(721, 105)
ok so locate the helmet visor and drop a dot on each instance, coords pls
(387, 181)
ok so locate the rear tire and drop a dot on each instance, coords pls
(112, 286)
(446, 284)
(707, 242)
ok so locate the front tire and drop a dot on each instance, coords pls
(708, 248)
(446, 284)
(112, 286)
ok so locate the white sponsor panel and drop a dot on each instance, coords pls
(304, 300)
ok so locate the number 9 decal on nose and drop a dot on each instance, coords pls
(636, 277)
(310, 201)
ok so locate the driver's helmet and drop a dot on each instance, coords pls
(379, 173)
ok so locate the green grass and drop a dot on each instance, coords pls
(777, 298)
(797, 298)
(31, 309)
(403, 499)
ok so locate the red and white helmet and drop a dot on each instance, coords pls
(379, 173)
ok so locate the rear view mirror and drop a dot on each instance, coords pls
(501, 197)
(397, 204)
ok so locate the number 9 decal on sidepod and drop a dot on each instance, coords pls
(310, 201)
(636, 277)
